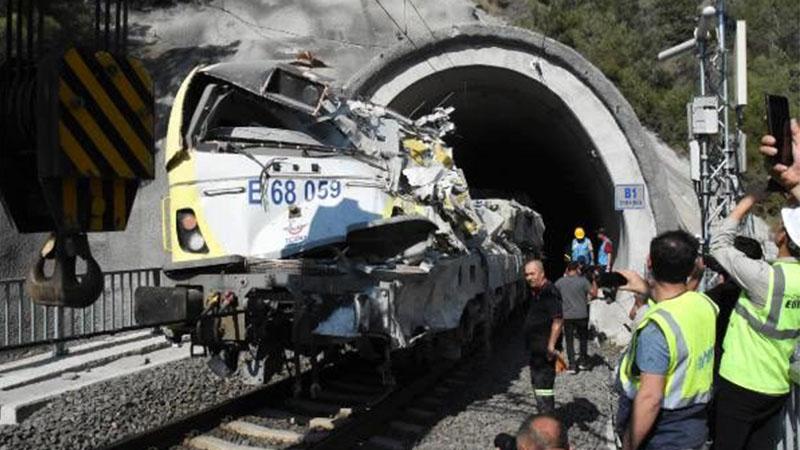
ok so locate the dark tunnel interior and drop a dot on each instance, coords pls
(515, 138)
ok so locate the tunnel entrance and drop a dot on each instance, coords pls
(514, 138)
(536, 122)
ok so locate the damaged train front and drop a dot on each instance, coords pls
(301, 222)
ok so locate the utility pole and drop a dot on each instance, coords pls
(717, 149)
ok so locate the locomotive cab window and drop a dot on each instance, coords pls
(227, 113)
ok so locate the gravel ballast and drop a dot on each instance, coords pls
(98, 415)
(501, 397)
(497, 399)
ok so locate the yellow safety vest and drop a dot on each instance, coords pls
(689, 326)
(760, 341)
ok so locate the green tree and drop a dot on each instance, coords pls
(623, 37)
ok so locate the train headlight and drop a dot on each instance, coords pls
(196, 242)
(189, 236)
(187, 220)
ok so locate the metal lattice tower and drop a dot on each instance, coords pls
(719, 185)
(717, 148)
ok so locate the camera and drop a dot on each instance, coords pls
(611, 280)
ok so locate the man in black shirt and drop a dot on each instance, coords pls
(541, 331)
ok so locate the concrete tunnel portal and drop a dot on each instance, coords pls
(534, 121)
(514, 138)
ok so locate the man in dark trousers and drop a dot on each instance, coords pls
(762, 334)
(542, 330)
(755, 374)
(575, 292)
(725, 295)
(666, 373)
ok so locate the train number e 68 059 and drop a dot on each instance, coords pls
(282, 191)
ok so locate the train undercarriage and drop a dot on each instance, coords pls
(254, 321)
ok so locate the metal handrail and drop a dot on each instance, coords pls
(25, 324)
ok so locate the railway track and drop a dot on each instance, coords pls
(353, 409)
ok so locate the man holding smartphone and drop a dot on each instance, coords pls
(764, 329)
(666, 373)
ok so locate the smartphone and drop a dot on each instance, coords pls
(711, 263)
(611, 280)
(778, 124)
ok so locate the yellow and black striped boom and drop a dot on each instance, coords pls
(100, 138)
(76, 139)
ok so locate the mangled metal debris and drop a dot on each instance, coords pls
(330, 219)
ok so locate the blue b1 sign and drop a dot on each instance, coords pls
(629, 196)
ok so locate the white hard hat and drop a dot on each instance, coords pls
(791, 221)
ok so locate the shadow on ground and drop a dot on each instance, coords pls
(499, 396)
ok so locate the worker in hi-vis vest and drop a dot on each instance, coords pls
(581, 250)
(665, 376)
(762, 334)
(756, 370)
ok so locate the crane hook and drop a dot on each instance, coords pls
(63, 288)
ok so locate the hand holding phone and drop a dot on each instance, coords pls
(611, 280)
(634, 283)
(778, 124)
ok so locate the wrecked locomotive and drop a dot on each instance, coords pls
(298, 219)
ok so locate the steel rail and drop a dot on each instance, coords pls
(351, 432)
(175, 431)
(359, 430)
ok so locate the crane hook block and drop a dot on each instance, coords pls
(63, 288)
